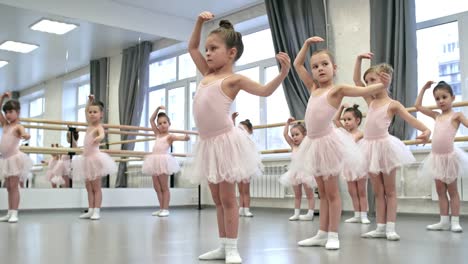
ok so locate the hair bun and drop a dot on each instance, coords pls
(226, 24)
(355, 106)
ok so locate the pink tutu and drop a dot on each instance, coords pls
(385, 154)
(231, 157)
(329, 155)
(292, 179)
(445, 167)
(157, 164)
(93, 166)
(50, 169)
(18, 164)
(63, 167)
(57, 180)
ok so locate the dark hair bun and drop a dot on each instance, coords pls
(355, 106)
(226, 24)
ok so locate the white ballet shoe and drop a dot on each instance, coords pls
(96, 214)
(365, 221)
(332, 244)
(13, 217)
(164, 213)
(374, 234)
(216, 254)
(319, 240)
(294, 218)
(438, 227)
(6, 217)
(232, 254)
(392, 236)
(456, 228)
(306, 217)
(241, 211)
(247, 212)
(88, 214)
(156, 213)
(353, 220)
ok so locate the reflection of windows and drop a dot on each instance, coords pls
(439, 49)
(36, 110)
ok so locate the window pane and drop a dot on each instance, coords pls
(248, 105)
(141, 146)
(176, 112)
(36, 107)
(156, 98)
(277, 111)
(186, 66)
(162, 72)
(83, 92)
(430, 9)
(81, 114)
(257, 46)
(438, 56)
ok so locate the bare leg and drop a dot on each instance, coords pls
(214, 188)
(297, 196)
(157, 188)
(390, 195)
(96, 185)
(334, 203)
(165, 193)
(231, 214)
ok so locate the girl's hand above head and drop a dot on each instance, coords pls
(284, 61)
(6, 95)
(290, 120)
(205, 16)
(346, 105)
(367, 55)
(315, 39)
(186, 137)
(428, 85)
(162, 107)
(26, 136)
(234, 115)
(91, 97)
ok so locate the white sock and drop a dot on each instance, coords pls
(357, 214)
(390, 227)
(364, 215)
(455, 219)
(445, 219)
(322, 234)
(333, 235)
(381, 227)
(297, 211)
(310, 212)
(246, 210)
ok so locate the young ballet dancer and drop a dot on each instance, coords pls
(51, 165)
(160, 164)
(14, 164)
(244, 186)
(63, 167)
(92, 165)
(327, 151)
(299, 179)
(224, 154)
(357, 188)
(384, 153)
(446, 163)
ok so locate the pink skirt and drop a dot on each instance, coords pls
(445, 167)
(231, 157)
(93, 166)
(18, 164)
(50, 169)
(288, 179)
(329, 155)
(385, 154)
(158, 164)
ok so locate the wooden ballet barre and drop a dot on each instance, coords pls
(128, 160)
(275, 151)
(417, 142)
(128, 141)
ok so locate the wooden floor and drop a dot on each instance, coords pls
(134, 236)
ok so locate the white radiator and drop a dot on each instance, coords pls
(267, 185)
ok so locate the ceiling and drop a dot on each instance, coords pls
(105, 28)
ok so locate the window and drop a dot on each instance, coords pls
(36, 110)
(171, 80)
(440, 37)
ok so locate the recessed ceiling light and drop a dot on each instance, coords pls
(3, 63)
(55, 27)
(18, 46)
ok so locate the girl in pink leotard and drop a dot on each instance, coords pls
(224, 154)
(446, 163)
(384, 153)
(14, 164)
(327, 151)
(160, 164)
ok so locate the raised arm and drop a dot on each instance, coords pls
(152, 120)
(337, 117)
(286, 132)
(357, 72)
(462, 118)
(90, 101)
(355, 91)
(419, 100)
(100, 134)
(405, 115)
(3, 120)
(243, 83)
(194, 43)
(21, 132)
(173, 138)
(300, 60)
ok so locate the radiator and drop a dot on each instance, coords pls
(267, 185)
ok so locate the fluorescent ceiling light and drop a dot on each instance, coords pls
(55, 27)
(3, 63)
(18, 46)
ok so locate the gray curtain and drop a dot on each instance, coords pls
(393, 40)
(134, 80)
(291, 23)
(98, 87)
